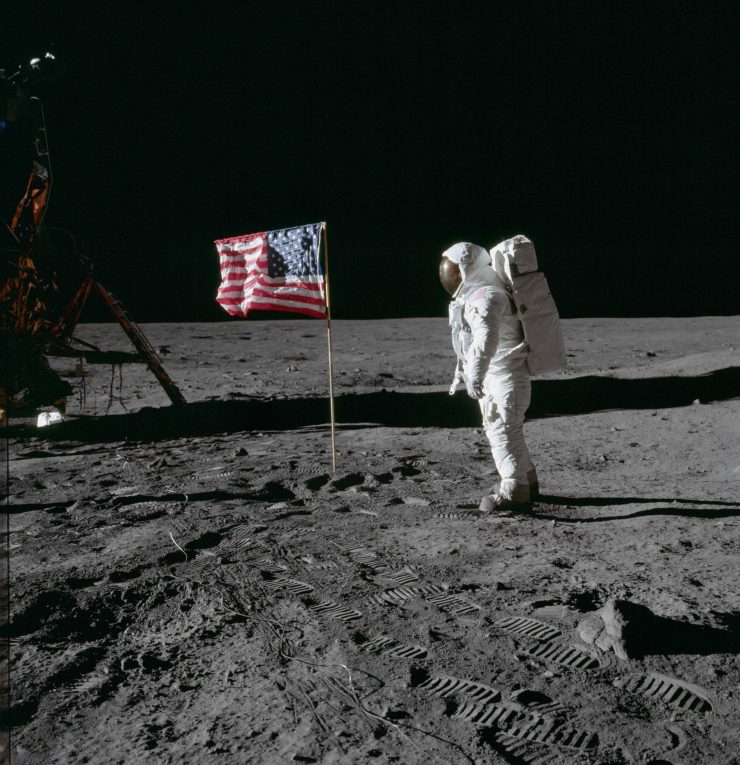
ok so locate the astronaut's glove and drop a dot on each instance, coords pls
(457, 379)
(475, 388)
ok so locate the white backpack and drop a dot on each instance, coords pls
(515, 262)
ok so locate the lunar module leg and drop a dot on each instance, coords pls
(142, 345)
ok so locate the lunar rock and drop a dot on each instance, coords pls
(620, 626)
(526, 696)
(632, 630)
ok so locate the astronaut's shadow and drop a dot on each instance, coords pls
(548, 507)
(554, 499)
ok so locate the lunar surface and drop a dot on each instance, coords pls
(196, 585)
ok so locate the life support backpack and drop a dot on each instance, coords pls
(515, 262)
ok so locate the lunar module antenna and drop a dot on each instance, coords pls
(41, 144)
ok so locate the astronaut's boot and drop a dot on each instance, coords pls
(516, 497)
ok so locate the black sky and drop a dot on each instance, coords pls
(605, 131)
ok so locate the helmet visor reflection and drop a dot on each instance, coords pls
(449, 275)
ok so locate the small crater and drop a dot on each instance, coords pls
(124, 576)
(383, 477)
(437, 634)
(561, 563)
(18, 714)
(586, 600)
(47, 607)
(204, 542)
(80, 583)
(315, 483)
(451, 706)
(345, 482)
(545, 603)
(151, 663)
(397, 714)
(274, 491)
(59, 617)
(173, 558)
(418, 675)
(526, 697)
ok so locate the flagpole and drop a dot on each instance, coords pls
(328, 337)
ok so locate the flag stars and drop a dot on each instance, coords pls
(293, 252)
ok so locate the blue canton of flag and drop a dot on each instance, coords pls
(294, 252)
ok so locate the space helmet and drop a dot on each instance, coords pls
(457, 262)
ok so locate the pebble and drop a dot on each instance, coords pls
(414, 501)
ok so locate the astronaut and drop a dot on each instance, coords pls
(488, 340)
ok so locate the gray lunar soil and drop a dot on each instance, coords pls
(195, 585)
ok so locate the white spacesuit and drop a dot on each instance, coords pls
(488, 339)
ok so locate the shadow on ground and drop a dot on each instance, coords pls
(554, 499)
(718, 510)
(671, 637)
(651, 635)
(551, 398)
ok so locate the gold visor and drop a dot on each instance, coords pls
(449, 275)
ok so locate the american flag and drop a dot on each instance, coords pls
(272, 271)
